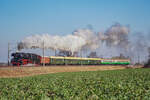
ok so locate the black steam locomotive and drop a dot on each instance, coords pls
(25, 58)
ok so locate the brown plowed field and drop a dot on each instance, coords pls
(29, 71)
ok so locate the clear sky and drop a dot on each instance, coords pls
(21, 18)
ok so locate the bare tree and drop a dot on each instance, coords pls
(148, 62)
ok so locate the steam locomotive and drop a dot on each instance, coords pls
(30, 58)
(25, 58)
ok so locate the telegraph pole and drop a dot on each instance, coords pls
(81, 56)
(55, 52)
(8, 52)
(138, 56)
(43, 54)
(138, 59)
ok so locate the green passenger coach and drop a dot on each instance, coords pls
(56, 60)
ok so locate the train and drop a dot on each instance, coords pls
(19, 59)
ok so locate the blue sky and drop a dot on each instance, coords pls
(21, 18)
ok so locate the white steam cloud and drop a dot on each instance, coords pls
(114, 41)
(74, 42)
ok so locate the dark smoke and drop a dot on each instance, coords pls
(117, 36)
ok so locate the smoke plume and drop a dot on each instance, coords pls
(117, 35)
(74, 42)
(116, 40)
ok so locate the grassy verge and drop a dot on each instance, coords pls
(110, 85)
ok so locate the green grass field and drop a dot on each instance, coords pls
(127, 84)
